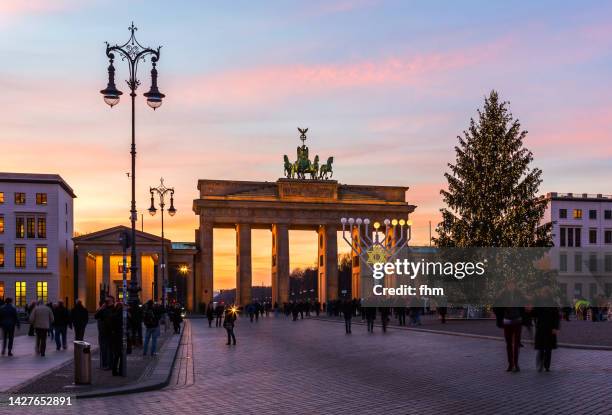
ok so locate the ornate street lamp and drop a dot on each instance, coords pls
(161, 191)
(133, 53)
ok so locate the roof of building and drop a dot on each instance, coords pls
(584, 197)
(36, 178)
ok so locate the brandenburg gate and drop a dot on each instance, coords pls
(305, 200)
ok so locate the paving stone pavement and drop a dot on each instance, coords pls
(312, 367)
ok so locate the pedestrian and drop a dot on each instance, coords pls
(547, 322)
(29, 309)
(9, 319)
(79, 317)
(347, 311)
(116, 339)
(370, 314)
(61, 322)
(228, 324)
(150, 318)
(401, 315)
(210, 311)
(510, 319)
(42, 319)
(442, 311)
(176, 318)
(384, 317)
(104, 317)
(219, 314)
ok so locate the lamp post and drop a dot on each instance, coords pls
(161, 191)
(134, 53)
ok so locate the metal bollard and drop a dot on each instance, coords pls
(82, 363)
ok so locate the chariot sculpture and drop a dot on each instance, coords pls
(303, 167)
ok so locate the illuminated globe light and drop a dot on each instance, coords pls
(387, 222)
(358, 221)
(409, 223)
(351, 221)
(376, 225)
(343, 221)
(394, 222)
(366, 221)
(402, 222)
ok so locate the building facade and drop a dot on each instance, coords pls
(36, 227)
(582, 236)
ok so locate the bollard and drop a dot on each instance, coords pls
(82, 363)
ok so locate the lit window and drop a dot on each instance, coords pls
(20, 293)
(20, 198)
(1, 258)
(1, 198)
(31, 228)
(42, 227)
(577, 213)
(42, 292)
(20, 257)
(2, 289)
(41, 257)
(1, 224)
(41, 198)
(19, 228)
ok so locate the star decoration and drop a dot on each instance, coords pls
(377, 255)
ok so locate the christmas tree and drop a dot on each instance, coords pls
(492, 191)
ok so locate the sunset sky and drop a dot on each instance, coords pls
(385, 87)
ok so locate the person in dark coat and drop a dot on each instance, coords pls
(104, 316)
(80, 318)
(228, 324)
(61, 322)
(347, 311)
(8, 321)
(116, 339)
(385, 312)
(210, 311)
(219, 314)
(370, 313)
(547, 322)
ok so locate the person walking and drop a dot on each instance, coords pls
(104, 316)
(9, 319)
(42, 319)
(79, 317)
(384, 317)
(442, 310)
(370, 314)
(210, 311)
(547, 322)
(116, 339)
(510, 320)
(219, 314)
(151, 317)
(228, 324)
(61, 321)
(347, 311)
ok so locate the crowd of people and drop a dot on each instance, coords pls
(52, 322)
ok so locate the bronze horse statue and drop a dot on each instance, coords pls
(326, 169)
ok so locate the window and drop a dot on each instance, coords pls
(120, 268)
(562, 213)
(20, 257)
(577, 213)
(20, 198)
(41, 198)
(1, 258)
(608, 236)
(20, 293)
(592, 290)
(570, 237)
(321, 260)
(578, 263)
(607, 214)
(2, 289)
(562, 262)
(31, 228)
(1, 224)
(593, 262)
(42, 292)
(608, 263)
(41, 257)
(578, 289)
(592, 236)
(19, 228)
(42, 227)
(1, 198)
(592, 214)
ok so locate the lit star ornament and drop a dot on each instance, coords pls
(377, 255)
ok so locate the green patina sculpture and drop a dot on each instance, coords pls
(303, 166)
